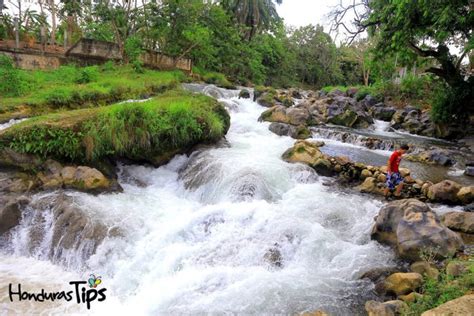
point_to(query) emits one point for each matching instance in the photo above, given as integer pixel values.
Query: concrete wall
(85, 52)
(154, 59)
(89, 48)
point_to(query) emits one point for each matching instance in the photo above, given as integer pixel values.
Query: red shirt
(394, 160)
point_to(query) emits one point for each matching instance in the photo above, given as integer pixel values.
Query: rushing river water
(196, 234)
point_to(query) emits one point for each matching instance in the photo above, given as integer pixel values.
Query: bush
(413, 87)
(439, 291)
(108, 66)
(11, 83)
(61, 97)
(88, 74)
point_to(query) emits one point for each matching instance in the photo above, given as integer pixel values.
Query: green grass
(146, 131)
(215, 78)
(446, 288)
(70, 87)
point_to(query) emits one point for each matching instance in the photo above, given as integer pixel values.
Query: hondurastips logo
(84, 292)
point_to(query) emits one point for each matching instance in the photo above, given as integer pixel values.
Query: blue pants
(393, 180)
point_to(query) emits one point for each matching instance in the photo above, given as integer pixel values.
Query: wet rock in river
(469, 171)
(244, 94)
(10, 212)
(434, 156)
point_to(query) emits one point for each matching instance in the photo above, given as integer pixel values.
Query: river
(201, 234)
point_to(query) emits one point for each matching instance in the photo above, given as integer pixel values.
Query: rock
(466, 195)
(352, 91)
(244, 94)
(390, 308)
(266, 100)
(84, 178)
(11, 158)
(303, 152)
(404, 172)
(10, 213)
(346, 118)
(378, 274)
(382, 178)
(365, 174)
(460, 306)
(410, 298)
(425, 187)
(424, 268)
(297, 116)
(403, 283)
(444, 191)
(382, 112)
(469, 207)
(460, 221)
(275, 114)
(368, 186)
(281, 129)
(435, 156)
(469, 171)
(273, 257)
(456, 268)
(323, 167)
(412, 227)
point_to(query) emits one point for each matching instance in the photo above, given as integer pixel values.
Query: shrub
(11, 83)
(412, 86)
(108, 66)
(87, 74)
(439, 291)
(61, 97)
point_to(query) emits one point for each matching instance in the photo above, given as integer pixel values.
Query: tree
(425, 28)
(256, 15)
(316, 56)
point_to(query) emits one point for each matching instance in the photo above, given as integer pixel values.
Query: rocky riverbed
(258, 223)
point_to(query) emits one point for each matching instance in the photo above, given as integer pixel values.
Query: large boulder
(402, 283)
(460, 221)
(444, 191)
(469, 171)
(412, 228)
(460, 306)
(425, 269)
(303, 152)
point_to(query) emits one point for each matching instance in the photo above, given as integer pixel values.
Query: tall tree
(256, 15)
(425, 28)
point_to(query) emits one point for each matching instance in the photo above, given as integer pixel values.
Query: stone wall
(84, 52)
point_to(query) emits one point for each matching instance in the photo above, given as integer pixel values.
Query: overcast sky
(304, 12)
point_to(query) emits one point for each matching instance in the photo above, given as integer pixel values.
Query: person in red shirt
(394, 179)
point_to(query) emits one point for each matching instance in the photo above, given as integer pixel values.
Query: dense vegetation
(247, 41)
(151, 131)
(69, 87)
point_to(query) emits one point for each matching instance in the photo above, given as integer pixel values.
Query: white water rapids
(195, 235)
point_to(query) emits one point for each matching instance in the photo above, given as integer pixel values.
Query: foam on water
(196, 233)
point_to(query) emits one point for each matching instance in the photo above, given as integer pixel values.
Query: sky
(304, 12)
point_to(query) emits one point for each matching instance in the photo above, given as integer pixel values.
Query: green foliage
(439, 291)
(174, 121)
(87, 74)
(133, 48)
(54, 89)
(446, 103)
(11, 83)
(44, 142)
(108, 66)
